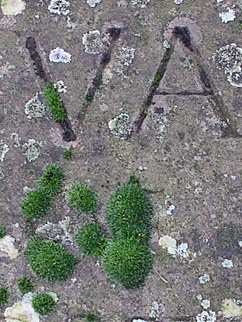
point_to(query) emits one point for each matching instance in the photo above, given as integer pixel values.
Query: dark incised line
(68, 134)
(184, 93)
(152, 90)
(34, 55)
(97, 80)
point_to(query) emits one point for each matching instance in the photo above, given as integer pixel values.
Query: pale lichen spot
(58, 55)
(4, 148)
(228, 15)
(7, 247)
(205, 304)
(34, 108)
(22, 311)
(60, 86)
(206, 316)
(12, 7)
(119, 126)
(231, 309)
(227, 263)
(15, 140)
(229, 59)
(203, 279)
(94, 42)
(124, 58)
(93, 3)
(6, 69)
(140, 3)
(60, 231)
(174, 249)
(60, 7)
(32, 149)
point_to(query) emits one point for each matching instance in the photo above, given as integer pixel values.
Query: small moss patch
(49, 260)
(127, 262)
(35, 204)
(2, 231)
(43, 303)
(91, 240)
(24, 285)
(4, 296)
(82, 198)
(54, 102)
(52, 179)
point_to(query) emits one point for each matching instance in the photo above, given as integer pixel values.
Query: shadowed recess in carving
(34, 55)
(228, 126)
(97, 80)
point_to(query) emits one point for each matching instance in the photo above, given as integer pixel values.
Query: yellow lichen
(231, 309)
(12, 7)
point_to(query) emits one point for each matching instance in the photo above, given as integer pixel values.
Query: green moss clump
(43, 303)
(129, 212)
(82, 198)
(128, 262)
(4, 296)
(68, 154)
(90, 317)
(52, 179)
(54, 102)
(49, 260)
(35, 204)
(91, 240)
(2, 231)
(24, 285)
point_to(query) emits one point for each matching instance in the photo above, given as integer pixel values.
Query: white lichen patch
(93, 3)
(58, 232)
(229, 60)
(107, 76)
(7, 247)
(58, 55)
(124, 58)
(178, 1)
(231, 309)
(228, 15)
(15, 140)
(227, 263)
(60, 7)
(94, 42)
(34, 108)
(240, 243)
(154, 311)
(173, 248)
(140, 3)
(170, 210)
(12, 7)
(60, 86)
(206, 316)
(32, 149)
(203, 279)
(205, 304)
(119, 126)
(22, 311)
(6, 69)
(4, 148)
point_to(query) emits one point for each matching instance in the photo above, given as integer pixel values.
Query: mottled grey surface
(182, 152)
